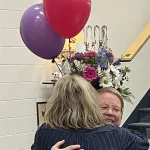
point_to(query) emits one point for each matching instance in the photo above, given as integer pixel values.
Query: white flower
(115, 70)
(116, 81)
(99, 70)
(77, 63)
(105, 82)
(106, 73)
(66, 69)
(118, 78)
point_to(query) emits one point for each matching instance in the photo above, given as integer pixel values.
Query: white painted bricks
(21, 77)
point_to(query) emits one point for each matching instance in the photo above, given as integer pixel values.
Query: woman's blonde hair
(73, 104)
(113, 91)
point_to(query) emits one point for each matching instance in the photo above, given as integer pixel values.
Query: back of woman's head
(73, 104)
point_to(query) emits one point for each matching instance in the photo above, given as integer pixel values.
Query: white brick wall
(21, 75)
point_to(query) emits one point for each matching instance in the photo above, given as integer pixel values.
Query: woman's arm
(60, 143)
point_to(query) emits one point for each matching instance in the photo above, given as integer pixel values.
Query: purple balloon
(37, 34)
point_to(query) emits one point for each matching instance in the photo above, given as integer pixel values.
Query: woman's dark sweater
(102, 138)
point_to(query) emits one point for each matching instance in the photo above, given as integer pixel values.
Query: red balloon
(67, 17)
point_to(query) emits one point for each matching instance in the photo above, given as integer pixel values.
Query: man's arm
(134, 140)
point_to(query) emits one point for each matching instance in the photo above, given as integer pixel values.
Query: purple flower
(72, 58)
(111, 59)
(104, 67)
(78, 56)
(121, 69)
(116, 63)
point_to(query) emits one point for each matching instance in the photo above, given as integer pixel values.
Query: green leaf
(128, 99)
(127, 69)
(131, 95)
(125, 89)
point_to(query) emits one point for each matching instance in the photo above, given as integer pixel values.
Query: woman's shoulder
(103, 128)
(128, 139)
(108, 128)
(43, 126)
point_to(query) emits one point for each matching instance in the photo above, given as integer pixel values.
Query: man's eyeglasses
(115, 109)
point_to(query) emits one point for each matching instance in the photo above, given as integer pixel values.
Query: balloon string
(69, 50)
(54, 61)
(72, 40)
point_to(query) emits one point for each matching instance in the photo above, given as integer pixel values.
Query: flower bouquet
(100, 68)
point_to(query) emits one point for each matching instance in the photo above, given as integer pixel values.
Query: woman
(112, 104)
(73, 114)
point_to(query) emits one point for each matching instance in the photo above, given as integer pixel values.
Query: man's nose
(110, 111)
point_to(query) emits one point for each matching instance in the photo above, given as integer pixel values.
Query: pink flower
(110, 54)
(89, 73)
(90, 54)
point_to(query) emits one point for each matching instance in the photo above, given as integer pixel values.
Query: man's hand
(58, 144)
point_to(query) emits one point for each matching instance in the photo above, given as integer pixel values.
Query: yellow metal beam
(137, 44)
